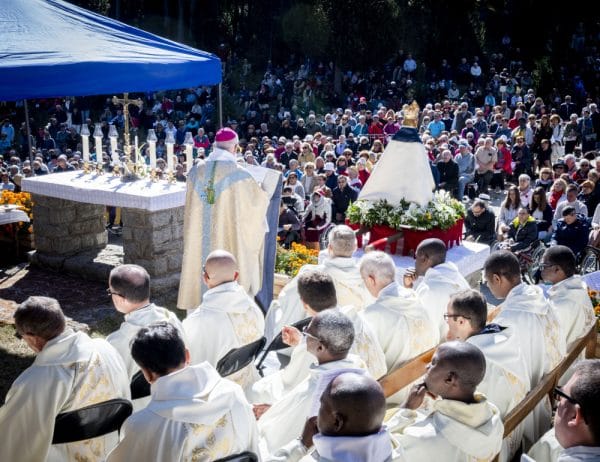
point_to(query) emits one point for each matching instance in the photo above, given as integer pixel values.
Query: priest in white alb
(329, 337)
(506, 381)
(397, 317)
(226, 208)
(435, 281)
(227, 318)
(463, 425)
(340, 265)
(70, 371)
(194, 414)
(317, 293)
(129, 288)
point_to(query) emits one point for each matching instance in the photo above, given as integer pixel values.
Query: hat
(329, 167)
(558, 164)
(226, 134)
(292, 174)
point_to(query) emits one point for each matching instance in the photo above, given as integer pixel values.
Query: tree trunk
(180, 24)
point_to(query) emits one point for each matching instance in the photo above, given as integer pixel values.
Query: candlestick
(170, 142)
(152, 139)
(113, 135)
(98, 138)
(85, 142)
(189, 150)
(135, 154)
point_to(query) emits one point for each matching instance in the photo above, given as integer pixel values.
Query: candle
(85, 142)
(135, 154)
(170, 142)
(189, 150)
(98, 138)
(152, 143)
(113, 135)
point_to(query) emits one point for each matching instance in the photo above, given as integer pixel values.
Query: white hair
(335, 330)
(342, 241)
(524, 177)
(378, 265)
(227, 145)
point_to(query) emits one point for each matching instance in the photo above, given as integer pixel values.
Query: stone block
(134, 218)
(66, 246)
(50, 231)
(86, 226)
(156, 267)
(172, 246)
(164, 290)
(61, 216)
(43, 244)
(174, 262)
(94, 240)
(160, 219)
(85, 211)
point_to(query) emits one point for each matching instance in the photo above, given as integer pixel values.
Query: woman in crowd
(317, 218)
(525, 190)
(354, 180)
(503, 167)
(558, 193)
(508, 211)
(588, 197)
(545, 180)
(541, 211)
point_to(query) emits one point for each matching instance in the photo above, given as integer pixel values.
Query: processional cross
(125, 102)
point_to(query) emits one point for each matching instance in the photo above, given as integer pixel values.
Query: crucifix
(125, 102)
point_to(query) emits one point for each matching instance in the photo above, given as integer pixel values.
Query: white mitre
(403, 171)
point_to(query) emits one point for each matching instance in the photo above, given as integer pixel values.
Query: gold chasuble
(225, 208)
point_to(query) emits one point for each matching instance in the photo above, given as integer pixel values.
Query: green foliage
(304, 28)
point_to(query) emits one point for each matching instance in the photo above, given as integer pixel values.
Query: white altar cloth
(468, 257)
(108, 190)
(12, 216)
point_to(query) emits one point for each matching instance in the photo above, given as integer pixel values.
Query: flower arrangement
(595, 298)
(289, 261)
(442, 212)
(23, 200)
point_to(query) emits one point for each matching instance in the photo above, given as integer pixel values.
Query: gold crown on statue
(411, 115)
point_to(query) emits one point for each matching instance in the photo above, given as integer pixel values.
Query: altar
(69, 221)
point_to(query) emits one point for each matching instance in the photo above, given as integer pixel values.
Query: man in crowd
(576, 433)
(349, 286)
(129, 289)
(329, 337)
(464, 425)
(466, 167)
(397, 317)
(572, 201)
(348, 426)
(193, 413)
(343, 196)
(70, 371)
(448, 173)
(227, 318)
(435, 281)
(480, 223)
(572, 230)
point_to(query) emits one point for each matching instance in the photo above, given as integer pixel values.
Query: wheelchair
(530, 259)
(589, 260)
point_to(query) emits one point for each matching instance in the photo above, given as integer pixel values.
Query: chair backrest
(238, 358)
(405, 375)
(242, 457)
(139, 386)
(277, 342)
(91, 421)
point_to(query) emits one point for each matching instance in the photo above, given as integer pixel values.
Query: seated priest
(70, 371)
(227, 318)
(463, 425)
(194, 414)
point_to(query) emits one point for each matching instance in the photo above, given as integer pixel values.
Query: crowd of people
(324, 402)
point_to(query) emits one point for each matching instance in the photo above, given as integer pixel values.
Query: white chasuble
(227, 318)
(225, 209)
(435, 289)
(72, 371)
(349, 287)
(194, 415)
(284, 421)
(134, 321)
(453, 432)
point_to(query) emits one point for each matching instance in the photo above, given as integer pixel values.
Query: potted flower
(289, 261)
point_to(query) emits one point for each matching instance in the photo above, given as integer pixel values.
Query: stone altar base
(70, 237)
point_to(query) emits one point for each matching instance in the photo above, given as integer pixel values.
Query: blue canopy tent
(52, 48)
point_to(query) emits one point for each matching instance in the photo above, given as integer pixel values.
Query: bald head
(351, 405)
(131, 282)
(456, 369)
(220, 267)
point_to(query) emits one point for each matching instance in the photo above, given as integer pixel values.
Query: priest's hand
(291, 336)
(259, 410)
(310, 430)
(410, 276)
(415, 396)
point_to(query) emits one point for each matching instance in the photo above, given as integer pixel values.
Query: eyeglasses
(558, 394)
(543, 266)
(110, 292)
(204, 272)
(454, 316)
(305, 333)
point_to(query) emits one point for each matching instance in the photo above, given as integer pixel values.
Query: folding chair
(91, 421)
(277, 343)
(238, 358)
(139, 387)
(246, 456)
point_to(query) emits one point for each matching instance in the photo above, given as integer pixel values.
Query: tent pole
(28, 128)
(220, 105)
